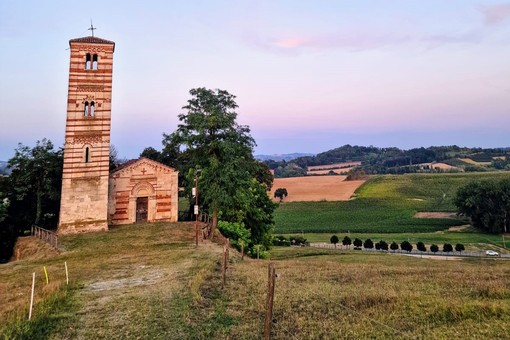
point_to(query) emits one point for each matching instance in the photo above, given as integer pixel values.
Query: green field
(384, 204)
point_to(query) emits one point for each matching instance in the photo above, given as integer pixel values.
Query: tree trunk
(38, 211)
(214, 223)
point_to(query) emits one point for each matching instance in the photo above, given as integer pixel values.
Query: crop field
(316, 188)
(383, 204)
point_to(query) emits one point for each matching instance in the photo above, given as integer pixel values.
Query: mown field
(383, 204)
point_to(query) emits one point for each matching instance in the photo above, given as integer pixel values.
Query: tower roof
(92, 40)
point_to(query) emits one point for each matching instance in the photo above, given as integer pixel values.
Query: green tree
(357, 243)
(151, 153)
(486, 203)
(211, 140)
(368, 244)
(406, 246)
(383, 245)
(280, 193)
(421, 246)
(347, 241)
(459, 247)
(35, 183)
(447, 248)
(334, 239)
(434, 248)
(394, 246)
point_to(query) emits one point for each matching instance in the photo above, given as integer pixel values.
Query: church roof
(92, 40)
(145, 160)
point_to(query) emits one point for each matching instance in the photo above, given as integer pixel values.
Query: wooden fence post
(242, 250)
(270, 299)
(32, 297)
(224, 267)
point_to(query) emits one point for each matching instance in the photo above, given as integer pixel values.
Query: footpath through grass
(138, 281)
(384, 204)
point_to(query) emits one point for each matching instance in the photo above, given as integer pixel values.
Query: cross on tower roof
(92, 28)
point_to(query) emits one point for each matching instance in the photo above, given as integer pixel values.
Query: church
(93, 198)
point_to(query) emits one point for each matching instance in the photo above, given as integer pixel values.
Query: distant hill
(392, 160)
(282, 157)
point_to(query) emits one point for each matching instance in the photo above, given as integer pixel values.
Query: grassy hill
(383, 204)
(150, 282)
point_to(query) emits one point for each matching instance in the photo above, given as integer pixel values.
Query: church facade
(143, 190)
(88, 203)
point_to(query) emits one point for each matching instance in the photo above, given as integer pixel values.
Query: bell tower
(84, 202)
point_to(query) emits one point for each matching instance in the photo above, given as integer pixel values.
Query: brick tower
(84, 202)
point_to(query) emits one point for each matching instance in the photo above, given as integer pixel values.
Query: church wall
(158, 183)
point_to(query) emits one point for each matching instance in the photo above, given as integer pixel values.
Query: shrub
(334, 239)
(298, 240)
(383, 245)
(346, 241)
(281, 241)
(434, 248)
(406, 246)
(421, 246)
(235, 232)
(263, 254)
(368, 244)
(459, 247)
(447, 247)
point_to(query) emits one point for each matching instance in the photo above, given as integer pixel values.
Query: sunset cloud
(496, 14)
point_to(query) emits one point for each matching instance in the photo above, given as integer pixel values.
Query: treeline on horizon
(392, 160)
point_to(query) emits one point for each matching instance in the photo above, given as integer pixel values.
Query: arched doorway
(143, 193)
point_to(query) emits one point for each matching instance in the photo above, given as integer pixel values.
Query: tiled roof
(92, 40)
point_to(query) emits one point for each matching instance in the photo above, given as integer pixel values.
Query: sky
(308, 76)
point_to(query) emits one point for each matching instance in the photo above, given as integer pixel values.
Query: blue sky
(308, 75)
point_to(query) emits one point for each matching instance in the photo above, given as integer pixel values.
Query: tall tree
(211, 140)
(487, 203)
(35, 184)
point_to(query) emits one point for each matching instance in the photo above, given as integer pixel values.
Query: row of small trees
(383, 245)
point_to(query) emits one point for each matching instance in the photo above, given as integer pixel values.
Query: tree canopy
(232, 184)
(487, 203)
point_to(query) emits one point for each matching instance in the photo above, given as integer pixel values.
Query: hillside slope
(132, 282)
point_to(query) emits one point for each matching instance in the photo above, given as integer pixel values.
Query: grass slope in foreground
(384, 204)
(150, 282)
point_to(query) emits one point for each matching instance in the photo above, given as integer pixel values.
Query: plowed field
(316, 188)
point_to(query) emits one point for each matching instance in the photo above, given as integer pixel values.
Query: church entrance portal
(142, 206)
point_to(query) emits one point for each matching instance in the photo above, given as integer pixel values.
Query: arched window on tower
(91, 111)
(86, 109)
(88, 61)
(94, 62)
(87, 154)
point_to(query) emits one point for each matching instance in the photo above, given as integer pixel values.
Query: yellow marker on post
(46, 273)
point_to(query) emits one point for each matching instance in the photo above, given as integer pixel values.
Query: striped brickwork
(85, 176)
(143, 178)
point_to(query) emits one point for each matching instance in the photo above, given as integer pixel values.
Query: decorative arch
(142, 189)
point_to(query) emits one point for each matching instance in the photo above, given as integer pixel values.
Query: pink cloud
(496, 14)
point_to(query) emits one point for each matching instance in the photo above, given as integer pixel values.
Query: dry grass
(319, 188)
(150, 282)
(125, 281)
(359, 296)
